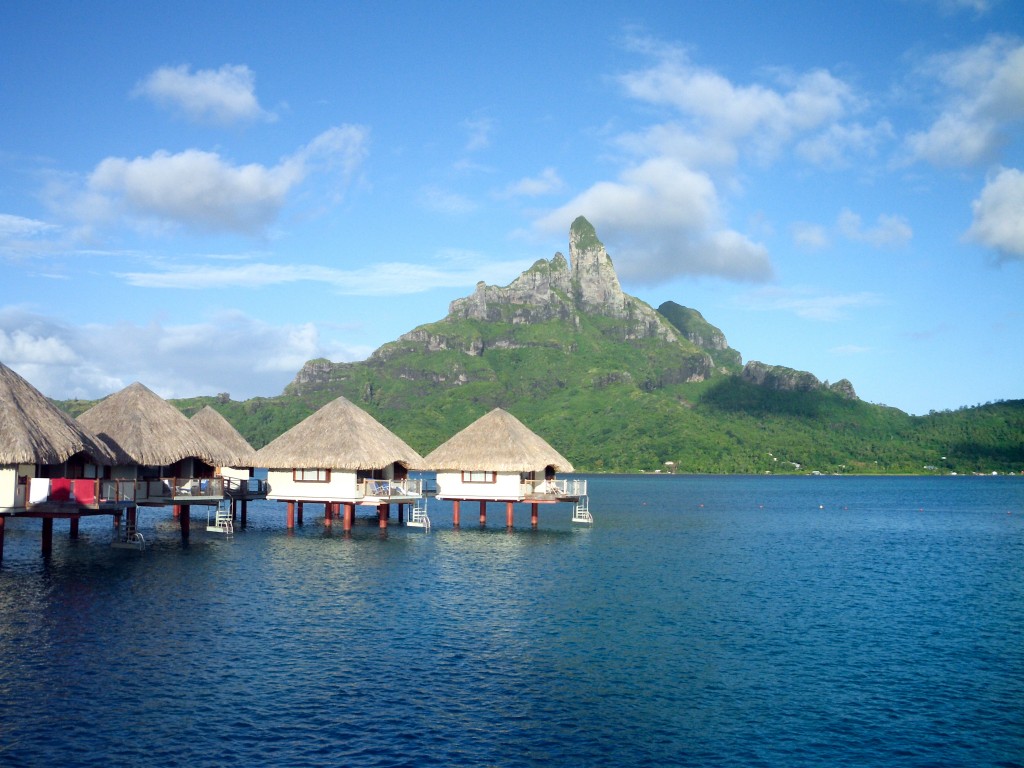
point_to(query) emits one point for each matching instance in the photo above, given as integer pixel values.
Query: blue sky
(203, 196)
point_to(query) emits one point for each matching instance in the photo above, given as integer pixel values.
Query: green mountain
(615, 385)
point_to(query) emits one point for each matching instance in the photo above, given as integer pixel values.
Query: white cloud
(999, 214)
(764, 118)
(664, 221)
(201, 190)
(982, 103)
(890, 230)
(224, 95)
(65, 361)
(808, 303)
(546, 183)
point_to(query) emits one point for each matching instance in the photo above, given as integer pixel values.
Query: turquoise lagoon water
(701, 621)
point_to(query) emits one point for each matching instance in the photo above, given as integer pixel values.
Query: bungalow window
(479, 477)
(311, 475)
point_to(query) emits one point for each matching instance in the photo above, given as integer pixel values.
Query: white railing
(386, 489)
(555, 489)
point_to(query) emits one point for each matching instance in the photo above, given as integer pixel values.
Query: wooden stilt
(176, 510)
(289, 522)
(508, 514)
(73, 532)
(533, 514)
(383, 510)
(185, 520)
(483, 513)
(401, 513)
(300, 513)
(328, 513)
(245, 512)
(47, 536)
(350, 516)
(455, 513)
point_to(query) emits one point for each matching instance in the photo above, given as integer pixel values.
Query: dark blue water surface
(718, 621)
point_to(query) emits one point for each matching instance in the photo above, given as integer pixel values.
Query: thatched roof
(149, 430)
(216, 427)
(338, 436)
(498, 442)
(35, 431)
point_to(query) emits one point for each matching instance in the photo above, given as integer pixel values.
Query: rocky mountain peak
(595, 283)
(557, 289)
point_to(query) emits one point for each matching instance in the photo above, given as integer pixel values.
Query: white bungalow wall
(9, 488)
(506, 487)
(283, 487)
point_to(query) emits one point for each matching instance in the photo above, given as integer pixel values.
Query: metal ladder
(581, 512)
(419, 518)
(223, 521)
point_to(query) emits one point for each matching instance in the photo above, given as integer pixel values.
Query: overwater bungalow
(240, 486)
(170, 459)
(497, 458)
(340, 456)
(50, 465)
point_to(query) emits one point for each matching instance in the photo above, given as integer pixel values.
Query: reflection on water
(700, 621)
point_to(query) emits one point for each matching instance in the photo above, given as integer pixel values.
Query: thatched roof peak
(340, 435)
(213, 424)
(149, 431)
(35, 431)
(497, 442)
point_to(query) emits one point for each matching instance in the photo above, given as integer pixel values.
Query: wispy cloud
(547, 182)
(890, 230)
(224, 95)
(808, 303)
(478, 133)
(457, 270)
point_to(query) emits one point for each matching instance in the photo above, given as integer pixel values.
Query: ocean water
(701, 621)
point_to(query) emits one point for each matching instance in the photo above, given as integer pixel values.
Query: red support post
(350, 516)
(328, 513)
(483, 513)
(508, 514)
(533, 514)
(383, 510)
(455, 513)
(290, 516)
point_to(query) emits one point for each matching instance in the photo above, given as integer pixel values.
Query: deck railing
(386, 489)
(80, 492)
(555, 489)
